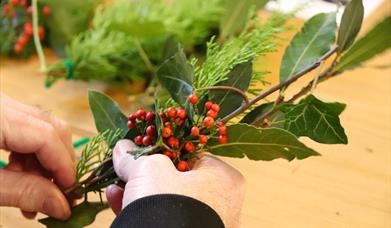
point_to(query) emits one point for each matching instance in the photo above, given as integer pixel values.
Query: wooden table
(349, 186)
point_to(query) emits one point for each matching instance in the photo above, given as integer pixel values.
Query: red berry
(211, 113)
(23, 39)
(131, 124)
(208, 122)
(166, 132)
(140, 114)
(173, 142)
(223, 139)
(18, 48)
(138, 140)
(131, 117)
(41, 32)
(193, 99)
(195, 131)
(219, 123)
(182, 166)
(168, 125)
(208, 105)
(6, 8)
(181, 113)
(46, 10)
(223, 130)
(215, 107)
(28, 28)
(24, 3)
(171, 112)
(169, 154)
(189, 147)
(150, 117)
(30, 10)
(164, 118)
(203, 139)
(147, 140)
(14, 2)
(151, 130)
(179, 122)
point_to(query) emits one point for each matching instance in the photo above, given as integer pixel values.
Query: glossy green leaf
(374, 42)
(171, 47)
(308, 45)
(239, 78)
(257, 112)
(350, 24)
(176, 76)
(107, 113)
(82, 215)
(261, 144)
(236, 14)
(316, 119)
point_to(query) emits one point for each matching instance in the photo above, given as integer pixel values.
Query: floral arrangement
(215, 106)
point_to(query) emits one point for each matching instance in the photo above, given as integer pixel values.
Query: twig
(37, 43)
(143, 55)
(233, 89)
(281, 85)
(260, 119)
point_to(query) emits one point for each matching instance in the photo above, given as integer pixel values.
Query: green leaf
(66, 20)
(257, 112)
(171, 47)
(350, 24)
(308, 45)
(239, 78)
(107, 113)
(374, 42)
(235, 15)
(316, 119)
(82, 215)
(176, 76)
(261, 144)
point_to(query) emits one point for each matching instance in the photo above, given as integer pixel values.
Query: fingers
(32, 193)
(127, 167)
(114, 195)
(26, 134)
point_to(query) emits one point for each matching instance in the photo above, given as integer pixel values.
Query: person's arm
(157, 195)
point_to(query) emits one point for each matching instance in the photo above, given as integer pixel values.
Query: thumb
(32, 193)
(122, 160)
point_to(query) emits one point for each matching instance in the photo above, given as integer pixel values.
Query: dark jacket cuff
(167, 210)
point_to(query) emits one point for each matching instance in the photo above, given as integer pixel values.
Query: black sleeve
(167, 211)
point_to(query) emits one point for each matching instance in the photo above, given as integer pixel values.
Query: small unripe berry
(181, 113)
(182, 166)
(171, 112)
(195, 131)
(46, 10)
(193, 99)
(211, 113)
(140, 114)
(151, 130)
(208, 105)
(166, 132)
(215, 107)
(208, 122)
(131, 124)
(147, 140)
(223, 139)
(150, 117)
(189, 147)
(223, 130)
(173, 142)
(138, 140)
(203, 139)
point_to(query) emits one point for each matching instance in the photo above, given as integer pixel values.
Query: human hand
(210, 180)
(40, 149)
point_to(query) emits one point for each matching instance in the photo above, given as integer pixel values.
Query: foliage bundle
(252, 128)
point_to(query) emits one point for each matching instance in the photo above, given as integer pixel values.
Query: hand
(41, 149)
(211, 181)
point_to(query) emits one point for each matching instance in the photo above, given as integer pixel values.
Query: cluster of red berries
(181, 136)
(25, 36)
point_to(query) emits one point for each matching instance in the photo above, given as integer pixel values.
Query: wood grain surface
(348, 186)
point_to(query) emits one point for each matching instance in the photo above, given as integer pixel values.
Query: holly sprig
(254, 127)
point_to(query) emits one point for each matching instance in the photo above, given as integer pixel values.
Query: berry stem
(37, 43)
